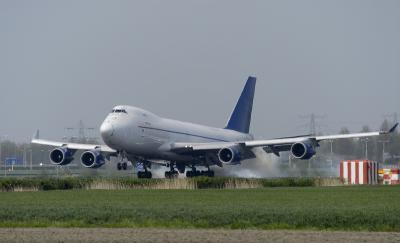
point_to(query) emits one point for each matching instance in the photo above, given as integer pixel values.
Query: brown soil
(186, 235)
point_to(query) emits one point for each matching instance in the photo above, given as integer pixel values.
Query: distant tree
(393, 145)
(365, 128)
(344, 147)
(385, 125)
(372, 146)
(8, 149)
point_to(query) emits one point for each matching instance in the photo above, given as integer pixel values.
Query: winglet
(36, 136)
(393, 128)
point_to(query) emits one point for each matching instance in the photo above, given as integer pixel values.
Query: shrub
(67, 183)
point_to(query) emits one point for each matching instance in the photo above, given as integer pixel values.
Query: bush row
(10, 184)
(289, 182)
(65, 183)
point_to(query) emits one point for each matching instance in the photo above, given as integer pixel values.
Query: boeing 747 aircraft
(143, 137)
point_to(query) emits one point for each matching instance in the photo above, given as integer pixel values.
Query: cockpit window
(119, 111)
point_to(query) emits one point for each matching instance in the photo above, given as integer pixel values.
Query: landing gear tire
(191, 173)
(171, 174)
(124, 166)
(181, 167)
(209, 173)
(119, 166)
(144, 174)
(196, 173)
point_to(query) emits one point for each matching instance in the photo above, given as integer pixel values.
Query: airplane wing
(272, 145)
(74, 146)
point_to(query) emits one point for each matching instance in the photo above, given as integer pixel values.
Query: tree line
(385, 148)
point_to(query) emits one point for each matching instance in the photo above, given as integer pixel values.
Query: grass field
(339, 208)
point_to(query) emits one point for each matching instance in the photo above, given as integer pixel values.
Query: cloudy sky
(65, 61)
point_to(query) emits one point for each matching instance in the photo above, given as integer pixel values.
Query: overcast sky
(62, 61)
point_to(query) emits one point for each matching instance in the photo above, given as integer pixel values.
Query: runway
(186, 235)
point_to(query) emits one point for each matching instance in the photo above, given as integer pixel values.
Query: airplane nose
(106, 130)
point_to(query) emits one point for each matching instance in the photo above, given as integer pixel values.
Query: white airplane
(145, 138)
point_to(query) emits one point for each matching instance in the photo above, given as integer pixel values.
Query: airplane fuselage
(143, 134)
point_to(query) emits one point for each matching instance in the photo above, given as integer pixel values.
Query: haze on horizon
(65, 61)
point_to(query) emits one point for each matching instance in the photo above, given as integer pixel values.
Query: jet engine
(61, 156)
(229, 155)
(92, 159)
(303, 150)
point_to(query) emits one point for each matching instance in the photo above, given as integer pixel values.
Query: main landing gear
(172, 173)
(196, 173)
(122, 166)
(144, 175)
(141, 165)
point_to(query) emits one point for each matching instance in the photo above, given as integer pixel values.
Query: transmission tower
(313, 122)
(81, 130)
(82, 133)
(393, 116)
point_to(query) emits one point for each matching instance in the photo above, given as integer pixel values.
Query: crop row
(371, 208)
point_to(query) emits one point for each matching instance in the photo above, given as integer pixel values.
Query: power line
(313, 122)
(82, 132)
(394, 117)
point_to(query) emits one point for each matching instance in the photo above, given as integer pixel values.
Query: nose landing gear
(141, 166)
(122, 165)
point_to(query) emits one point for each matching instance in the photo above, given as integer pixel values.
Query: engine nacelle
(229, 155)
(61, 156)
(303, 150)
(92, 159)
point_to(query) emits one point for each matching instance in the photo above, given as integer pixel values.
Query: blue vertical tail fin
(241, 116)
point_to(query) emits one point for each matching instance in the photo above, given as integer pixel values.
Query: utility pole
(383, 142)
(0, 151)
(42, 155)
(1, 154)
(366, 148)
(331, 142)
(31, 159)
(24, 155)
(4, 163)
(312, 124)
(81, 131)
